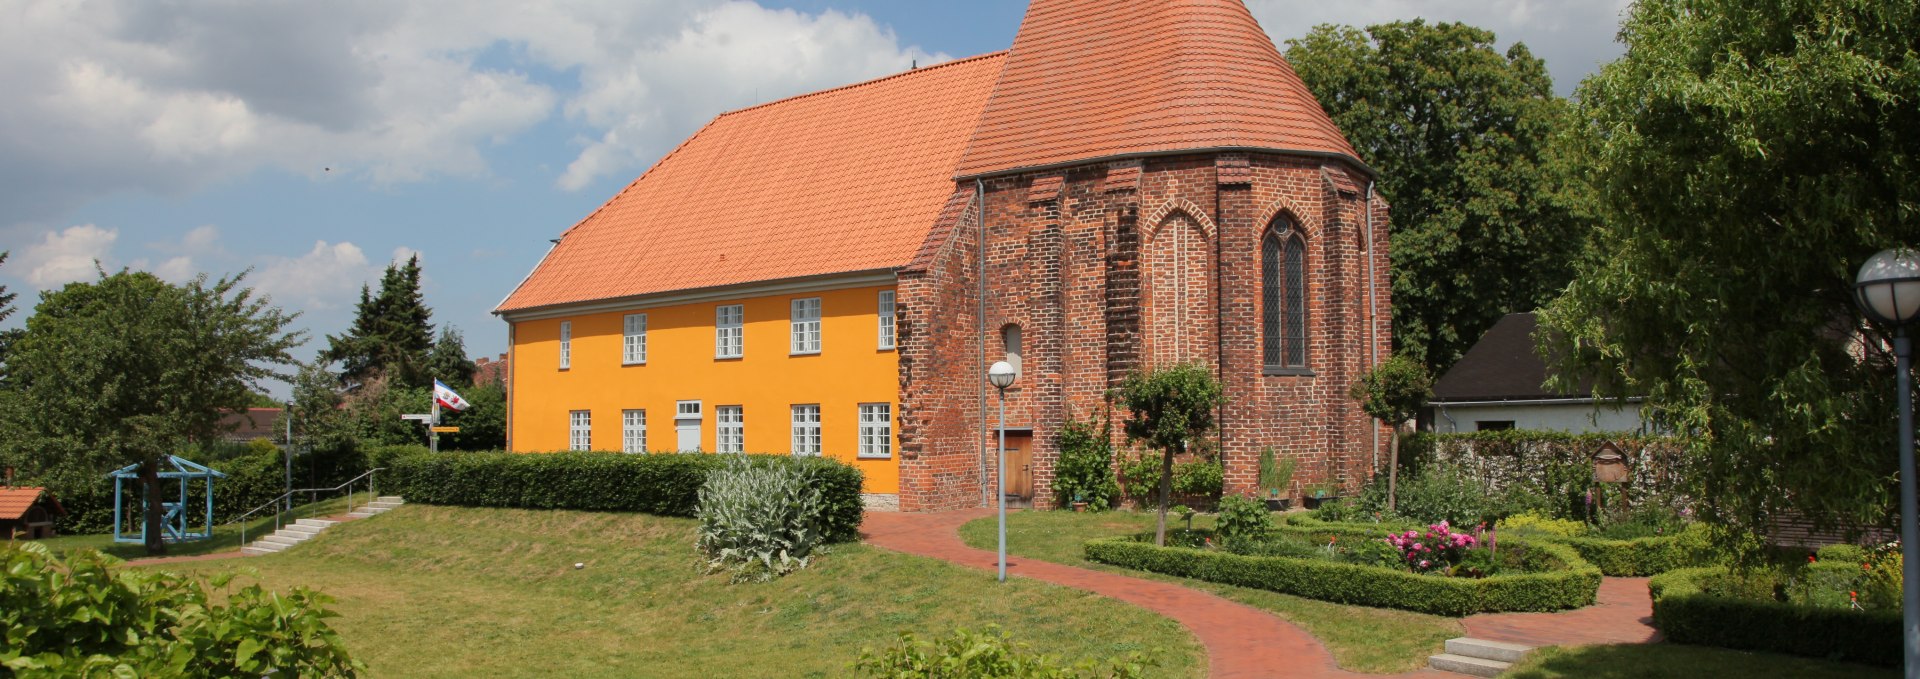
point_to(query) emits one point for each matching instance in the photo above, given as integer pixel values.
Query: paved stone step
(302, 528)
(319, 523)
(264, 548)
(1479, 667)
(384, 505)
(278, 540)
(293, 535)
(1502, 651)
(391, 498)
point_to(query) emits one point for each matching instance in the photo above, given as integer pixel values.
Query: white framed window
(806, 325)
(806, 430)
(876, 430)
(886, 319)
(633, 431)
(580, 430)
(566, 344)
(732, 431)
(729, 339)
(686, 426)
(633, 348)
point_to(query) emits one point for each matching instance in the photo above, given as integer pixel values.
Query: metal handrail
(278, 502)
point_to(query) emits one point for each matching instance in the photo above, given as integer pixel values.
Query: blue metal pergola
(173, 515)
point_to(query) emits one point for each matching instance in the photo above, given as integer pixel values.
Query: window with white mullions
(886, 319)
(634, 345)
(731, 434)
(580, 430)
(806, 325)
(729, 339)
(876, 430)
(633, 431)
(566, 344)
(806, 430)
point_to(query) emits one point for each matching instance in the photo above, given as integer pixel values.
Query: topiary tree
(1169, 407)
(1393, 392)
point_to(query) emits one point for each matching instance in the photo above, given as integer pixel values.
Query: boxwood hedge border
(1637, 557)
(665, 484)
(1687, 614)
(1571, 582)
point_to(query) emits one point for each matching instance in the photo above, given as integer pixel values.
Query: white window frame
(687, 415)
(566, 344)
(886, 319)
(804, 321)
(730, 429)
(580, 430)
(729, 331)
(633, 430)
(806, 429)
(876, 431)
(633, 346)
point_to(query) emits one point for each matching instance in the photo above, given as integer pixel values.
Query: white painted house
(1499, 384)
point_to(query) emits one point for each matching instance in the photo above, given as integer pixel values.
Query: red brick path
(1622, 615)
(1241, 641)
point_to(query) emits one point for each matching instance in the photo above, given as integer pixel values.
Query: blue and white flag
(445, 396)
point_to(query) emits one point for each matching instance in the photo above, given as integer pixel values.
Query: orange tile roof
(15, 501)
(844, 180)
(1089, 79)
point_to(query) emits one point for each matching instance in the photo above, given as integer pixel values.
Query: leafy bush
(1648, 556)
(1551, 577)
(1241, 517)
(88, 617)
(1084, 472)
(1535, 524)
(760, 520)
(1438, 549)
(990, 654)
(1140, 472)
(1694, 605)
(662, 484)
(1199, 477)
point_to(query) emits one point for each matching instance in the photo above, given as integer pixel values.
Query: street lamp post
(1001, 376)
(1888, 287)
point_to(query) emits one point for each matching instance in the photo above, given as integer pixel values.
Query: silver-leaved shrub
(760, 520)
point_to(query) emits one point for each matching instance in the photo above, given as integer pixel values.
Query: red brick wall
(1107, 267)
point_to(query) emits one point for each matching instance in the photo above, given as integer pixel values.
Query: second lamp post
(1001, 376)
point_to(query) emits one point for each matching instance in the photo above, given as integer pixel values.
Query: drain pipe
(1373, 324)
(980, 333)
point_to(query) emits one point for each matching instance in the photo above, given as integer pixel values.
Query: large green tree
(391, 334)
(1462, 135)
(1750, 155)
(130, 368)
(447, 360)
(1168, 408)
(7, 337)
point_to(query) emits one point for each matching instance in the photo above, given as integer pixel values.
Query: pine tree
(447, 361)
(391, 333)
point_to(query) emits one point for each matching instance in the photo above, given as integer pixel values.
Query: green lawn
(225, 538)
(1677, 661)
(1374, 640)
(446, 592)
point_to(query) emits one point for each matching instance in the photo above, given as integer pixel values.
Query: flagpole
(433, 437)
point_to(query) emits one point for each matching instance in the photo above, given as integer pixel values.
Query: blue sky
(315, 142)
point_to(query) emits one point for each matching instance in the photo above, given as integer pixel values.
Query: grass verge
(1679, 661)
(1373, 640)
(451, 592)
(226, 537)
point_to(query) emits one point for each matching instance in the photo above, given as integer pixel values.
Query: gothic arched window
(1283, 298)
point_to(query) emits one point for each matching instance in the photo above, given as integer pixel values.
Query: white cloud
(404, 253)
(68, 255)
(1573, 36)
(133, 95)
(326, 277)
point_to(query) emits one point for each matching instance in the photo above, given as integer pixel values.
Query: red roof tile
(844, 180)
(1089, 79)
(14, 502)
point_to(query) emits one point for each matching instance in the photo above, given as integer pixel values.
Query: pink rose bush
(1439, 547)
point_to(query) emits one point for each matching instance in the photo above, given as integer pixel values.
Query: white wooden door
(686, 423)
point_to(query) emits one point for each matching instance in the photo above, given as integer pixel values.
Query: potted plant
(1313, 495)
(1276, 475)
(1079, 503)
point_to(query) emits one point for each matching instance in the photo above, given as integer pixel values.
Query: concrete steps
(303, 530)
(1478, 657)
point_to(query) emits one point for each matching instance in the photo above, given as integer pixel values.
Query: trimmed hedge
(1687, 614)
(663, 484)
(1638, 557)
(1568, 582)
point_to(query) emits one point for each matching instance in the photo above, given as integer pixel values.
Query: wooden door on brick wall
(1020, 465)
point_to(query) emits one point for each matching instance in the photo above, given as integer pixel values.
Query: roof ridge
(864, 83)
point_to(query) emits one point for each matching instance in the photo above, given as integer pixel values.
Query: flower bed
(1636, 557)
(1537, 576)
(1834, 609)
